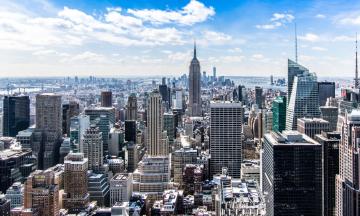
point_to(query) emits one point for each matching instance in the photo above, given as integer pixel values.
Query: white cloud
(235, 50)
(277, 20)
(193, 12)
(212, 37)
(180, 56)
(258, 56)
(316, 48)
(86, 57)
(320, 16)
(343, 38)
(309, 37)
(352, 20)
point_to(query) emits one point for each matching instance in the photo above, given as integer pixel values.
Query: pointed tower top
(296, 45)
(356, 64)
(194, 48)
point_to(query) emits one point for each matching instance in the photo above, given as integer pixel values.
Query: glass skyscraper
(279, 113)
(16, 114)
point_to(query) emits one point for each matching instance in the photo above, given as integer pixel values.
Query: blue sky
(155, 37)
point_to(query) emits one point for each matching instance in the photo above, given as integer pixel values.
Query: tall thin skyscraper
(356, 66)
(156, 145)
(294, 69)
(76, 196)
(225, 137)
(16, 114)
(131, 108)
(194, 86)
(279, 113)
(93, 148)
(348, 181)
(48, 129)
(304, 100)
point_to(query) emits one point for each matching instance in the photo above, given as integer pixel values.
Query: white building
(15, 194)
(120, 188)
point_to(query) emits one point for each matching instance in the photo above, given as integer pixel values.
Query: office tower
(99, 189)
(48, 130)
(65, 149)
(326, 90)
(130, 131)
(356, 80)
(240, 94)
(106, 99)
(312, 126)
(165, 95)
(259, 97)
(120, 188)
(131, 156)
(294, 69)
(226, 120)
(116, 141)
(4, 206)
(69, 110)
(15, 165)
(16, 114)
(347, 181)
(78, 126)
(104, 118)
(93, 148)
(271, 79)
(179, 159)
(15, 194)
(267, 121)
(330, 166)
(330, 114)
(169, 126)
(304, 100)
(42, 192)
(25, 138)
(156, 145)
(131, 108)
(76, 196)
(179, 100)
(291, 174)
(194, 86)
(214, 73)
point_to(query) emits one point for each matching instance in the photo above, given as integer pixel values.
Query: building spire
(194, 48)
(296, 45)
(356, 65)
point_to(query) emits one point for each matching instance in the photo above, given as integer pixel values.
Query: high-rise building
(259, 97)
(16, 114)
(291, 174)
(294, 69)
(69, 110)
(226, 121)
(131, 108)
(330, 114)
(4, 206)
(165, 93)
(99, 188)
(312, 126)
(42, 192)
(240, 94)
(156, 142)
(169, 126)
(48, 129)
(106, 99)
(116, 141)
(194, 86)
(130, 131)
(326, 90)
(104, 118)
(131, 156)
(120, 188)
(330, 166)
(78, 126)
(15, 165)
(214, 73)
(93, 148)
(76, 196)
(347, 181)
(279, 113)
(15, 194)
(304, 100)
(179, 159)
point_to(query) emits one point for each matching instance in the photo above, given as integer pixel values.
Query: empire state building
(194, 86)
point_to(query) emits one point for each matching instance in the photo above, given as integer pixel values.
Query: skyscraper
(347, 181)
(312, 126)
(48, 129)
(330, 165)
(304, 100)
(76, 196)
(259, 97)
(131, 108)
(69, 110)
(16, 114)
(106, 99)
(326, 90)
(279, 113)
(194, 86)
(93, 147)
(294, 69)
(226, 120)
(156, 145)
(291, 174)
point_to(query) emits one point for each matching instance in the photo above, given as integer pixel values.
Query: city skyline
(111, 38)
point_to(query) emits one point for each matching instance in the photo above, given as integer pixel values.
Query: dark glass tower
(279, 113)
(16, 114)
(130, 131)
(326, 90)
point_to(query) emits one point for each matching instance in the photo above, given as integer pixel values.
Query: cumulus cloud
(309, 37)
(277, 20)
(320, 16)
(352, 20)
(193, 12)
(316, 48)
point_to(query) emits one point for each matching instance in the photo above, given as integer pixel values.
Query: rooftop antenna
(356, 65)
(296, 45)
